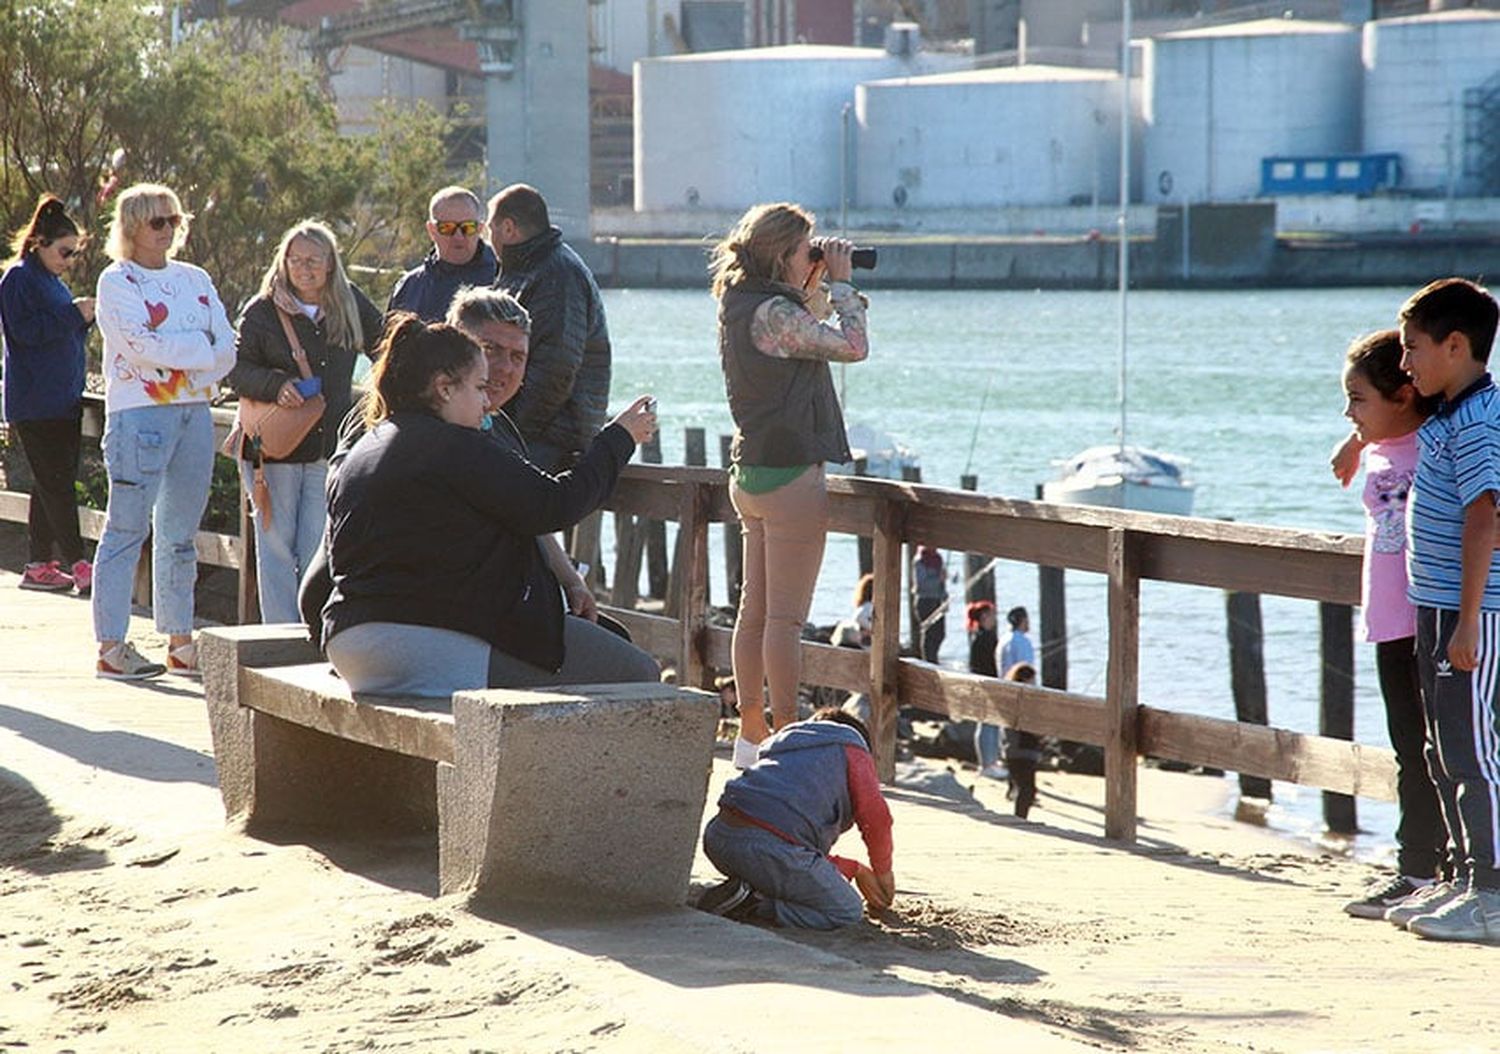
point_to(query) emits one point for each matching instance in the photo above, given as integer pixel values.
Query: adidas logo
(1444, 668)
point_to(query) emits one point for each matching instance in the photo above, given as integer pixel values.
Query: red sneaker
(83, 577)
(48, 578)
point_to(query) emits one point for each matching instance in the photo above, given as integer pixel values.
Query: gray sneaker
(1425, 901)
(1474, 916)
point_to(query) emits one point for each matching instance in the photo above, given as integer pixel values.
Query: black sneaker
(1382, 897)
(725, 897)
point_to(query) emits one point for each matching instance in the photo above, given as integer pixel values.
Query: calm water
(1245, 385)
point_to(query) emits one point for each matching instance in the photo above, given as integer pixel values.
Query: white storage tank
(1220, 99)
(1028, 135)
(1416, 72)
(727, 129)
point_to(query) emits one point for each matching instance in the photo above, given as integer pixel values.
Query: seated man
(779, 818)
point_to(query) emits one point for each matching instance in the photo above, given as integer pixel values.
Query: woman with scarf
(304, 298)
(775, 352)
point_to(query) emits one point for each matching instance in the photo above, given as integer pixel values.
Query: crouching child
(779, 818)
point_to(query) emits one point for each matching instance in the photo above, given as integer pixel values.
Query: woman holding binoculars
(775, 351)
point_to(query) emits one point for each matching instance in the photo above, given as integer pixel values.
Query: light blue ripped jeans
(160, 461)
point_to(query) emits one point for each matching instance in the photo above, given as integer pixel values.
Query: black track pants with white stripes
(1464, 737)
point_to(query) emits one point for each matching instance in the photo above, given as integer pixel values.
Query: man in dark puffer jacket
(563, 402)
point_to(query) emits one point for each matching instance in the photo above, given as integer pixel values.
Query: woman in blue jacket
(44, 326)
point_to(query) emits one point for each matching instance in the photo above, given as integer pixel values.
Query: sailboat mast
(1123, 267)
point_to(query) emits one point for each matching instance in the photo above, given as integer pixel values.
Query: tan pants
(783, 534)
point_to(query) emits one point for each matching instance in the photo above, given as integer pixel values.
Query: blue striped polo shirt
(1459, 461)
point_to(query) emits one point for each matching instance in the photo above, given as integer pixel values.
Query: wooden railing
(1125, 546)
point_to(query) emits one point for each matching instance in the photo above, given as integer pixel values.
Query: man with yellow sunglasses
(459, 256)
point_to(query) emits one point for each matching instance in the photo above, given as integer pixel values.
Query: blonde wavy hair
(340, 311)
(759, 246)
(137, 205)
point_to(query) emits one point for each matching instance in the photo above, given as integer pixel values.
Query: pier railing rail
(1127, 547)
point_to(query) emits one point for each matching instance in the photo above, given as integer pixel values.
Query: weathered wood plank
(656, 636)
(692, 593)
(1121, 725)
(216, 550)
(971, 697)
(885, 643)
(1275, 753)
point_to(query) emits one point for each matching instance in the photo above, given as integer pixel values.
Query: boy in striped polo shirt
(1447, 329)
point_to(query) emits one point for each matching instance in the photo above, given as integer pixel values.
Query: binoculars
(864, 259)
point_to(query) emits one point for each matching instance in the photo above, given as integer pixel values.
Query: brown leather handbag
(273, 430)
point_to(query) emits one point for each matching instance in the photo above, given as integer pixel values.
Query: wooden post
(865, 545)
(695, 444)
(885, 641)
(979, 580)
(1247, 674)
(655, 531)
(734, 549)
(140, 592)
(1336, 702)
(1121, 718)
(912, 474)
(627, 583)
(692, 585)
(1053, 597)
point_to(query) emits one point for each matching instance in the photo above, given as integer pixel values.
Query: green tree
(232, 116)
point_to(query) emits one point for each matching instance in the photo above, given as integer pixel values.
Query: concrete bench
(593, 792)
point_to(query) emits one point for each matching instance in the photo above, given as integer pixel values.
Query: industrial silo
(1028, 135)
(1427, 81)
(726, 129)
(1220, 99)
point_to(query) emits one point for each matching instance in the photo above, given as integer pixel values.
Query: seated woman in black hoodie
(438, 580)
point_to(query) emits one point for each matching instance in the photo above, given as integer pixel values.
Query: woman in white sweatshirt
(167, 343)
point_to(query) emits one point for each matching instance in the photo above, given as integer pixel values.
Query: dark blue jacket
(800, 785)
(426, 291)
(43, 344)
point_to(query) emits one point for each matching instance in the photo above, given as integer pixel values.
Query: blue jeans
(987, 744)
(160, 461)
(802, 887)
(284, 550)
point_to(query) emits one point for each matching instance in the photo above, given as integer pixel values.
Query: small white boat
(1128, 477)
(883, 455)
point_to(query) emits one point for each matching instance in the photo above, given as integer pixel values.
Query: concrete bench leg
(273, 771)
(588, 793)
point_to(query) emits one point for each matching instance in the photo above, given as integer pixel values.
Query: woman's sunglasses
(447, 228)
(157, 223)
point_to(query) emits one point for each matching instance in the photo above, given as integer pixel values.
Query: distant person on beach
(983, 644)
(562, 404)
(775, 353)
(929, 585)
(1016, 647)
(44, 326)
(439, 582)
(459, 257)
(167, 344)
(1386, 411)
(1023, 750)
(1447, 332)
(778, 821)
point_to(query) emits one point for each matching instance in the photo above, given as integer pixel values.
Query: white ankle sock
(745, 752)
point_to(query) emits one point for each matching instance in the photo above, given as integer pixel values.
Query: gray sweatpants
(393, 658)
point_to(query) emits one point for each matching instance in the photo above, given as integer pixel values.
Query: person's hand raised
(639, 419)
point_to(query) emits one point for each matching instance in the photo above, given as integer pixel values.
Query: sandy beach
(132, 919)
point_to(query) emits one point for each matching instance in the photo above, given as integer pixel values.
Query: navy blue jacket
(43, 344)
(427, 290)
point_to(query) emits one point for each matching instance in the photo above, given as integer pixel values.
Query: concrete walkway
(1036, 936)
